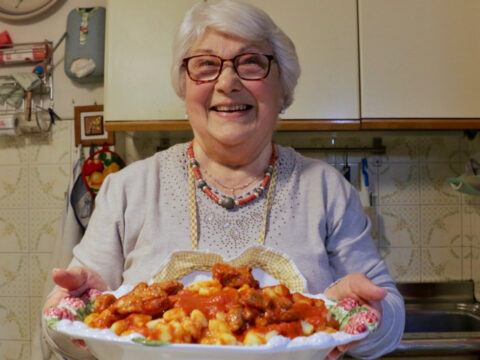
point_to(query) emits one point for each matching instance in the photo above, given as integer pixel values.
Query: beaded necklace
(230, 188)
(192, 177)
(229, 202)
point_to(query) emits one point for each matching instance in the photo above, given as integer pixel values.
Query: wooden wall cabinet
(138, 94)
(139, 37)
(419, 63)
(366, 64)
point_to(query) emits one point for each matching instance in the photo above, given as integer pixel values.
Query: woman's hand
(362, 289)
(74, 282)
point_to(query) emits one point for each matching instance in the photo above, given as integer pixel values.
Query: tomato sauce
(209, 305)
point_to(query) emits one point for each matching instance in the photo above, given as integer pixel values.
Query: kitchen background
(423, 229)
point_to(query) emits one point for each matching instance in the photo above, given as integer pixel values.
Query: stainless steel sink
(418, 321)
(441, 319)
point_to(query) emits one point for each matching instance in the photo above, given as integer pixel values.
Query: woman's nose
(228, 80)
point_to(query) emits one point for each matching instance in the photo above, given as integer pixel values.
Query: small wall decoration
(90, 126)
(98, 166)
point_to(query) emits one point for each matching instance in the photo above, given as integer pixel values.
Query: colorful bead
(258, 191)
(193, 162)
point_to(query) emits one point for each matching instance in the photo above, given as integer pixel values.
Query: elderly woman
(231, 189)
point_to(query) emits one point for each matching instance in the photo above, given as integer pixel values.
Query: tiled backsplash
(34, 174)
(424, 229)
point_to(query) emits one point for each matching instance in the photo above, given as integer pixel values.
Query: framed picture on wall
(90, 126)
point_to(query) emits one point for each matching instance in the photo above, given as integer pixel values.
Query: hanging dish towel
(468, 182)
(27, 80)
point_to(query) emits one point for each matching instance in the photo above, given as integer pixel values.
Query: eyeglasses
(250, 66)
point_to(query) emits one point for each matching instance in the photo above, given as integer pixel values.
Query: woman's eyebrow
(202, 51)
(243, 50)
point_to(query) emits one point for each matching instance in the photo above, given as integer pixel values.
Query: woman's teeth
(231, 108)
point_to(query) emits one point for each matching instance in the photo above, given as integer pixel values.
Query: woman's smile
(231, 111)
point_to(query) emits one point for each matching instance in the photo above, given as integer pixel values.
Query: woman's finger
(358, 287)
(365, 289)
(69, 279)
(77, 280)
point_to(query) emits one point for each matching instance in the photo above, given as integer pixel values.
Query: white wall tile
(14, 274)
(400, 226)
(400, 149)
(442, 264)
(13, 150)
(14, 230)
(14, 318)
(18, 350)
(441, 226)
(434, 188)
(40, 268)
(403, 264)
(13, 186)
(48, 185)
(45, 225)
(440, 148)
(53, 147)
(399, 184)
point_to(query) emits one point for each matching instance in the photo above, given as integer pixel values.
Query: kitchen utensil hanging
(98, 166)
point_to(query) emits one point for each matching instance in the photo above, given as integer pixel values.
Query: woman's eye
(251, 60)
(206, 63)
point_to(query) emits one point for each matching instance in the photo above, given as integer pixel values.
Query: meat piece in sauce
(234, 277)
(103, 302)
(151, 300)
(255, 298)
(170, 287)
(235, 317)
(102, 320)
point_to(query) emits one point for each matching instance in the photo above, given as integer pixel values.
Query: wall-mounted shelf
(24, 94)
(285, 125)
(317, 125)
(421, 124)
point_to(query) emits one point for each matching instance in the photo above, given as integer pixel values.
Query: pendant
(227, 203)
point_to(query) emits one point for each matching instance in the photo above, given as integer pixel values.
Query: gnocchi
(230, 309)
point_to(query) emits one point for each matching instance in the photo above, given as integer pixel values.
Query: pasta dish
(229, 309)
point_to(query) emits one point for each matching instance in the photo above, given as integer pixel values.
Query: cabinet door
(140, 33)
(420, 58)
(325, 35)
(139, 37)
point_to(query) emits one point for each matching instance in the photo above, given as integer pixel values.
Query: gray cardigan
(141, 215)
